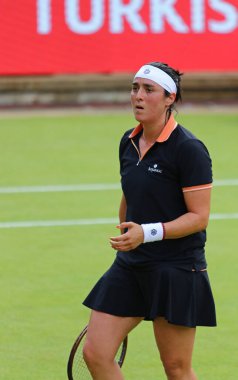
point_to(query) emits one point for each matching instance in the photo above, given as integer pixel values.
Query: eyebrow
(144, 84)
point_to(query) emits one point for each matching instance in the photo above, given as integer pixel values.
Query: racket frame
(76, 345)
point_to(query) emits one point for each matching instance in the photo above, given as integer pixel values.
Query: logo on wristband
(153, 232)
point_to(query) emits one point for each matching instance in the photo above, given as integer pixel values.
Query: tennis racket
(77, 368)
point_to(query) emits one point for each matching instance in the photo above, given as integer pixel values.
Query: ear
(170, 99)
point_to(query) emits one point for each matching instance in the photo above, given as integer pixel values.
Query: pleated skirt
(182, 297)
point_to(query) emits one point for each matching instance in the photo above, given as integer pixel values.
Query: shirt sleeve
(194, 165)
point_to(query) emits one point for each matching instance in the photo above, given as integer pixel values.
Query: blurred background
(80, 52)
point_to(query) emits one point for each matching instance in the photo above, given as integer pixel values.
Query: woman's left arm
(196, 218)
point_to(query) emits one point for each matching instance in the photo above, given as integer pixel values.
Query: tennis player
(160, 271)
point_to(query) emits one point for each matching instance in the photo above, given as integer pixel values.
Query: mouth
(137, 107)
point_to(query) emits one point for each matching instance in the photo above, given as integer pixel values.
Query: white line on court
(224, 216)
(87, 187)
(60, 188)
(87, 222)
(226, 182)
(58, 223)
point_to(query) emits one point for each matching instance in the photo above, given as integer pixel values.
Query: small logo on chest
(155, 169)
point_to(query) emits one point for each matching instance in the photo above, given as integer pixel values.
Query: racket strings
(79, 368)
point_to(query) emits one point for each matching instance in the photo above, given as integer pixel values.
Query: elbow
(202, 223)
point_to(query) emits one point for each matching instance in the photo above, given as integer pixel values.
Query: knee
(91, 355)
(175, 369)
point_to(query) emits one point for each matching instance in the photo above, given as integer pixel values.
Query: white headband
(158, 76)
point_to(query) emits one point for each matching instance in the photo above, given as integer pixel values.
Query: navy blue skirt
(181, 296)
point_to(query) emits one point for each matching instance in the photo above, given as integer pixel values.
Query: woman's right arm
(122, 211)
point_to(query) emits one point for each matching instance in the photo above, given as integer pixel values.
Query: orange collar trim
(166, 131)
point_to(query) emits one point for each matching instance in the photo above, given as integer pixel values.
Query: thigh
(106, 331)
(174, 342)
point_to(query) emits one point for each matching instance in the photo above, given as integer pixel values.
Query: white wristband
(153, 232)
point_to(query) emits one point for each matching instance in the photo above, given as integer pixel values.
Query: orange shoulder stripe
(198, 187)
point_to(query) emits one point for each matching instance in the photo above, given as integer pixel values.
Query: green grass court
(47, 271)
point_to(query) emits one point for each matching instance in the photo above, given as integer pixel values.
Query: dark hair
(176, 76)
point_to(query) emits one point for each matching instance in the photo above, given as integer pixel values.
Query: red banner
(106, 36)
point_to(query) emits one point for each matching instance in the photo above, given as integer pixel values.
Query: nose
(139, 94)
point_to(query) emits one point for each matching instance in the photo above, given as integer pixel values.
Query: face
(149, 102)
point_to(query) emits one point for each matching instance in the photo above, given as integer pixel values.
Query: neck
(152, 131)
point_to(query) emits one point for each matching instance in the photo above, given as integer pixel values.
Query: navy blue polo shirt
(153, 186)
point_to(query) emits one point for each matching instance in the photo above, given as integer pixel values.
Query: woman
(160, 270)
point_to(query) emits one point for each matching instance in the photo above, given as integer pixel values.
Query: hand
(130, 239)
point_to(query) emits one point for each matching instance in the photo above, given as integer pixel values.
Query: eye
(134, 88)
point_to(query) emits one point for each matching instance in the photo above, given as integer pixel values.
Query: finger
(118, 239)
(124, 248)
(125, 225)
(119, 245)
